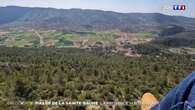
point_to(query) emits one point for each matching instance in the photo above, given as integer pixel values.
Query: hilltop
(80, 19)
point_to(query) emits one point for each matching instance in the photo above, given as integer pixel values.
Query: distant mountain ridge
(78, 19)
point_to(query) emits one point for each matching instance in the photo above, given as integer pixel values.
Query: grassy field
(32, 38)
(184, 50)
(54, 38)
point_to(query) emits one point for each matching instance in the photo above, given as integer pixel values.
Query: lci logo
(179, 7)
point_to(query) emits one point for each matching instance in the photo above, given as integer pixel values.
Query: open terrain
(90, 55)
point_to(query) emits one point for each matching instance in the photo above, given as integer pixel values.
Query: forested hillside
(90, 55)
(78, 75)
(78, 19)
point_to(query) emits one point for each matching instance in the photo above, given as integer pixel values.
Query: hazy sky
(126, 6)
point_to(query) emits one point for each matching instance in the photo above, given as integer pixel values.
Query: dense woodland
(31, 72)
(78, 75)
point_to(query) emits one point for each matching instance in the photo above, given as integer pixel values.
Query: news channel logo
(179, 7)
(174, 7)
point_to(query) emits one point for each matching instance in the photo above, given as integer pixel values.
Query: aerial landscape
(90, 55)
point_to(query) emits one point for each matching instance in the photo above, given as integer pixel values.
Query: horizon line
(97, 10)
